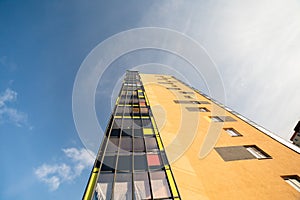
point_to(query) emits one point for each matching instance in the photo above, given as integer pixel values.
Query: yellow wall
(201, 176)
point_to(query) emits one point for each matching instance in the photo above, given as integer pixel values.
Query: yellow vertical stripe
(172, 183)
(153, 123)
(89, 192)
(159, 143)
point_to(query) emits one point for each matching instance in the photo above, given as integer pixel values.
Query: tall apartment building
(167, 140)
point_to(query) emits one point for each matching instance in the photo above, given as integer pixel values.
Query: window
(104, 186)
(138, 145)
(216, 119)
(113, 144)
(174, 88)
(109, 163)
(126, 144)
(141, 186)
(293, 181)
(257, 152)
(232, 153)
(123, 186)
(197, 109)
(190, 102)
(125, 163)
(164, 82)
(187, 96)
(159, 185)
(151, 144)
(232, 132)
(183, 92)
(222, 119)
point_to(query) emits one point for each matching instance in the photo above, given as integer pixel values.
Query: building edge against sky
(169, 140)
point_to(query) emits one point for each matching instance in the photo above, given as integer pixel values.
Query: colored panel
(153, 160)
(148, 131)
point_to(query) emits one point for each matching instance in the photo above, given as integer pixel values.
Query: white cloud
(55, 174)
(8, 113)
(8, 96)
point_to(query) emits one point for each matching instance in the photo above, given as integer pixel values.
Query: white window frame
(256, 152)
(293, 181)
(232, 132)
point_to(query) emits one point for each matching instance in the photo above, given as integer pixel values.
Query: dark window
(126, 143)
(222, 119)
(147, 123)
(197, 109)
(232, 153)
(125, 163)
(117, 123)
(138, 132)
(109, 163)
(127, 132)
(151, 143)
(140, 162)
(115, 132)
(127, 123)
(113, 144)
(164, 82)
(190, 102)
(137, 123)
(174, 88)
(138, 144)
(183, 92)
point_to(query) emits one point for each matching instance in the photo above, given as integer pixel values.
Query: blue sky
(255, 45)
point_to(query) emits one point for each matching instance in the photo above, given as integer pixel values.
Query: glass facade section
(132, 163)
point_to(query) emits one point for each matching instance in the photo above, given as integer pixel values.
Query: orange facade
(213, 153)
